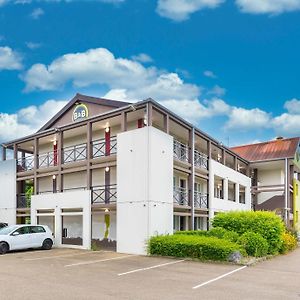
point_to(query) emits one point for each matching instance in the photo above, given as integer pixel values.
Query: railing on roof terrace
(25, 163)
(102, 148)
(200, 200)
(200, 160)
(104, 194)
(74, 153)
(180, 196)
(181, 151)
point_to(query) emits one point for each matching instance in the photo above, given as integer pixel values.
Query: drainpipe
(286, 191)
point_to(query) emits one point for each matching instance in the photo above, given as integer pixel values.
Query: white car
(19, 237)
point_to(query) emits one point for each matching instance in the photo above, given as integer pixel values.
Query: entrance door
(72, 230)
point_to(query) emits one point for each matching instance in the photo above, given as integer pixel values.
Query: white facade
(75, 206)
(145, 188)
(227, 174)
(8, 191)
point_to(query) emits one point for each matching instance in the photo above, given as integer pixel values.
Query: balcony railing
(181, 151)
(48, 159)
(104, 194)
(23, 201)
(101, 148)
(200, 200)
(25, 163)
(201, 160)
(180, 196)
(75, 153)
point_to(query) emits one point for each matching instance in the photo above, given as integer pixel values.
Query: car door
(19, 239)
(37, 236)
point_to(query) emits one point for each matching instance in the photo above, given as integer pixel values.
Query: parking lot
(78, 274)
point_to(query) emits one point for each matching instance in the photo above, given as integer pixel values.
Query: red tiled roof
(280, 148)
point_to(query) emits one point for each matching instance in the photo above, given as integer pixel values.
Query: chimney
(279, 138)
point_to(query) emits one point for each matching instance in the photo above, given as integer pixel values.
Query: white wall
(145, 188)
(99, 226)
(220, 205)
(8, 187)
(270, 177)
(71, 200)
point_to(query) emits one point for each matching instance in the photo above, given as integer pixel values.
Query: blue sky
(231, 67)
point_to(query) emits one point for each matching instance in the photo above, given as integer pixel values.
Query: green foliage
(289, 242)
(192, 232)
(217, 232)
(254, 244)
(194, 246)
(28, 193)
(267, 224)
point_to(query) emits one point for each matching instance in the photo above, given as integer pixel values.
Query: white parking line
(57, 256)
(153, 267)
(98, 261)
(219, 277)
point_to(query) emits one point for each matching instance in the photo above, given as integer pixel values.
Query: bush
(192, 232)
(254, 244)
(267, 224)
(218, 232)
(200, 247)
(289, 242)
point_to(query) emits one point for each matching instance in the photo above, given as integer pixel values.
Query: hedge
(267, 224)
(289, 242)
(200, 247)
(218, 232)
(254, 244)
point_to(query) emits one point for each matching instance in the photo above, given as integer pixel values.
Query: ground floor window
(200, 223)
(72, 230)
(180, 223)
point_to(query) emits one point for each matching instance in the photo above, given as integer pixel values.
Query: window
(23, 230)
(37, 229)
(231, 191)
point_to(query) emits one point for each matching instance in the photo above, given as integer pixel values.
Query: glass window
(23, 230)
(37, 229)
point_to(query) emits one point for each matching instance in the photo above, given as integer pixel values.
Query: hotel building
(114, 173)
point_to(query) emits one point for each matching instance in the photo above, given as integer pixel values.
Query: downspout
(286, 191)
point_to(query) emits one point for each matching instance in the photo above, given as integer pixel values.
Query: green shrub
(231, 236)
(254, 244)
(267, 224)
(192, 232)
(218, 232)
(200, 247)
(289, 242)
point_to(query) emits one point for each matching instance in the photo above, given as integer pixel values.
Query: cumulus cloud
(37, 13)
(32, 45)
(143, 58)
(209, 74)
(248, 119)
(268, 6)
(292, 106)
(10, 59)
(180, 10)
(27, 120)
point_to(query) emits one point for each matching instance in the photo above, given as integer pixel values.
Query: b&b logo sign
(80, 112)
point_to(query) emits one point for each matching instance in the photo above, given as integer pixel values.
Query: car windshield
(8, 229)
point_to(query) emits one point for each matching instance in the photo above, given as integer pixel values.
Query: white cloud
(32, 45)
(10, 59)
(209, 74)
(268, 6)
(3, 2)
(242, 119)
(287, 124)
(37, 13)
(292, 106)
(27, 120)
(143, 58)
(180, 10)
(217, 91)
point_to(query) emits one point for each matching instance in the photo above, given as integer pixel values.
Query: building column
(149, 114)
(237, 193)
(166, 123)
(60, 153)
(36, 165)
(123, 121)
(89, 153)
(4, 153)
(286, 192)
(225, 188)
(191, 178)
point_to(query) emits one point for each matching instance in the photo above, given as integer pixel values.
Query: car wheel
(47, 244)
(3, 248)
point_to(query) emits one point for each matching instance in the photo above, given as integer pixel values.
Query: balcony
(25, 164)
(23, 201)
(47, 160)
(75, 153)
(104, 194)
(180, 196)
(101, 148)
(200, 200)
(180, 151)
(200, 160)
